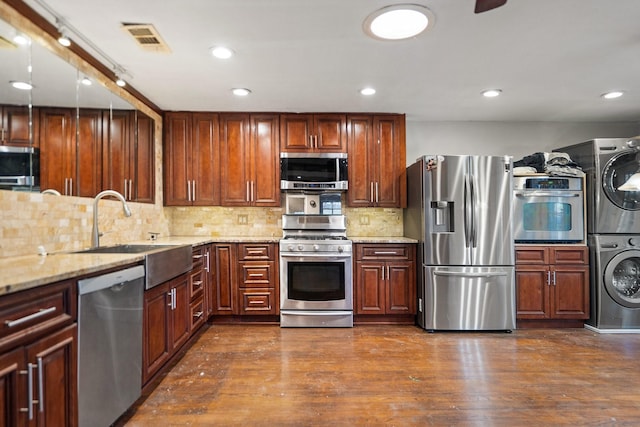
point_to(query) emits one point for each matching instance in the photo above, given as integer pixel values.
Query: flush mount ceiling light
(86, 81)
(221, 52)
(368, 91)
(240, 91)
(398, 22)
(21, 85)
(491, 93)
(612, 95)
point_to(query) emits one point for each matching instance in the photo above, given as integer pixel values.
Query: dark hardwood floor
(239, 375)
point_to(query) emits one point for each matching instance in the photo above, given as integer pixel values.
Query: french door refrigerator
(459, 208)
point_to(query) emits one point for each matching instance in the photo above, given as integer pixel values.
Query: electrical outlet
(243, 219)
(364, 219)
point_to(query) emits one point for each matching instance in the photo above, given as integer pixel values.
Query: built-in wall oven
(316, 272)
(548, 209)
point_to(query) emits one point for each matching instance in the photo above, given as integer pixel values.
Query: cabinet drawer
(532, 255)
(198, 316)
(198, 257)
(247, 251)
(257, 274)
(377, 252)
(31, 313)
(196, 283)
(569, 255)
(257, 301)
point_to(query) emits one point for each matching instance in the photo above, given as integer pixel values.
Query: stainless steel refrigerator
(459, 208)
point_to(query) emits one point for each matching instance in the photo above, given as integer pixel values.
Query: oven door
(548, 217)
(316, 281)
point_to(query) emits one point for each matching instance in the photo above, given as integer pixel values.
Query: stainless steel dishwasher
(110, 345)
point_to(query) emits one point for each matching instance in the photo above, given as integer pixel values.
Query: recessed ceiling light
(491, 93)
(221, 52)
(368, 91)
(21, 85)
(240, 91)
(86, 81)
(20, 39)
(398, 22)
(612, 95)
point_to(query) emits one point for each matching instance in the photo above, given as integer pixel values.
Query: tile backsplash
(30, 220)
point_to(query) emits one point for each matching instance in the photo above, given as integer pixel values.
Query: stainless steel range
(316, 272)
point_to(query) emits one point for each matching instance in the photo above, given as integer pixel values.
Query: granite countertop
(30, 271)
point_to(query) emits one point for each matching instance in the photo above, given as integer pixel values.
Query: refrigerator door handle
(474, 212)
(456, 273)
(467, 211)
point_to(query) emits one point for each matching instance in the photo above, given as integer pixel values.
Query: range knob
(291, 248)
(300, 247)
(340, 249)
(634, 241)
(316, 247)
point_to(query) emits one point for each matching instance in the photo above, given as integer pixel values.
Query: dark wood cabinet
(385, 279)
(58, 151)
(191, 153)
(313, 133)
(143, 160)
(167, 323)
(249, 159)
(14, 126)
(225, 279)
(88, 181)
(38, 357)
(376, 148)
(258, 278)
(552, 283)
(199, 287)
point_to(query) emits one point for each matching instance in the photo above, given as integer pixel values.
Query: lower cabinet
(199, 287)
(552, 283)
(385, 279)
(38, 357)
(166, 324)
(246, 280)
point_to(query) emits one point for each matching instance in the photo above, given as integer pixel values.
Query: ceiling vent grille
(146, 36)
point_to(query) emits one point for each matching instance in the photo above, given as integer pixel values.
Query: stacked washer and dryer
(613, 227)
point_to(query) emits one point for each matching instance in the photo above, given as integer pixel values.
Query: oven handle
(318, 312)
(547, 194)
(325, 255)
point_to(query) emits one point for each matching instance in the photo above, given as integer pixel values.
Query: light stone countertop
(30, 271)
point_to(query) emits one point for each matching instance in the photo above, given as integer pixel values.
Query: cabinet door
(570, 299)
(205, 160)
(532, 291)
(13, 391)
(181, 312)
(15, 126)
(235, 165)
(143, 160)
(89, 179)
(57, 150)
(225, 279)
(295, 132)
(265, 160)
(209, 293)
(361, 160)
(177, 159)
(390, 187)
(55, 378)
(330, 133)
(116, 169)
(157, 348)
(370, 288)
(401, 288)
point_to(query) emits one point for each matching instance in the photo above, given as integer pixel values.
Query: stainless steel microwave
(19, 167)
(548, 210)
(313, 171)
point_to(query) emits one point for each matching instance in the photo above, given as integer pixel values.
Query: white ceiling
(552, 58)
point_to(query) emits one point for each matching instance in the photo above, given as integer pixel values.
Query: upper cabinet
(14, 125)
(249, 159)
(191, 154)
(377, 160)
(313, 133)
(58, 150)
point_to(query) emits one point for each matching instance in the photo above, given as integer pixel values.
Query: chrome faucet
(95, 234)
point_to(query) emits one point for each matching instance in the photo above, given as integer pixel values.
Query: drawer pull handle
(386, 253)
(40, 313)
(198, 314)
(255, 275)
(197, 256)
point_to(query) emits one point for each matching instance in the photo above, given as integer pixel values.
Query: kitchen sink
(161, 262)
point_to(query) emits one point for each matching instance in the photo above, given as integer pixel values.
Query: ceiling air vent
(146, 36)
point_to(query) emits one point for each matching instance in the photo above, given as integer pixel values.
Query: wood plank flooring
(253, 375)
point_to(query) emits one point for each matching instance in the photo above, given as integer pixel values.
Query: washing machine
(608, 163)
(615, 281)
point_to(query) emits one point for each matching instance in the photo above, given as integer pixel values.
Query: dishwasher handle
(97, 283)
